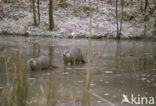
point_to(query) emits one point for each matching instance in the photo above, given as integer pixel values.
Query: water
(125, 67)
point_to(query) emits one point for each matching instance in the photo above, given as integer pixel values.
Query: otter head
(32, 63)
(67, 54)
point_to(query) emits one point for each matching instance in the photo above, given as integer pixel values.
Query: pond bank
(25, 34)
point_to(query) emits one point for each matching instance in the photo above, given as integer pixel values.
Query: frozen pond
(125, 67)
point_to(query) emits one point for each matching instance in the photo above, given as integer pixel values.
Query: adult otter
(73, 56)
(39, 63)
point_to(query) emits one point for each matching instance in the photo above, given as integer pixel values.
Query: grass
(16, 92)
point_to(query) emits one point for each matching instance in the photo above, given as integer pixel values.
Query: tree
(146, 4)
(38, 7)
(8, 1)
(1, 8)
(63, 3)
(131, 2)
(51, 19)
(141, 5)
(122, 3)
(155, 10)
(34, 12)
(110, 1)
(119, 28)
(118, 36)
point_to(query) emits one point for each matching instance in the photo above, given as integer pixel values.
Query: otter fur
(73, 56)
(39, 63)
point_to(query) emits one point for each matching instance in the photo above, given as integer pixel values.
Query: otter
(39, 63)
(73, 56)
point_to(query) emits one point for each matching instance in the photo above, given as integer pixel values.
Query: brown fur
(39, 63)
(73, 56)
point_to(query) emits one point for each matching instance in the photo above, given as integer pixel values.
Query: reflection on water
(126, 67)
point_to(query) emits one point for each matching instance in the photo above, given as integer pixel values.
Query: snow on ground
(73, 21)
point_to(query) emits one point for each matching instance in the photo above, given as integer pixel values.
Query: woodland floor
(73, 21)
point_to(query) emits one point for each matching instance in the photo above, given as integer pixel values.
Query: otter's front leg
(65, 61)
(73, 62)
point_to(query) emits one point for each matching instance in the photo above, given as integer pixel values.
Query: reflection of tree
(154, 53)
(118, 52)
(35, 50)
(117, 58)
(144, 57)
(51, 53)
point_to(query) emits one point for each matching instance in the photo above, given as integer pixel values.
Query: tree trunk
(146, 4)
(122, 1)
(63, 3)
(155, 10)
(38, 6)
(5, 1)
(51, 19)
(131, 2)
(141, 5)
(1, 7)
(118, 36)
(34, 12)
(9, 1)
(110, 1)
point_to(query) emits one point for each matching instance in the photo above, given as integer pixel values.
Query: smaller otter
(73, 56)
(39, 63)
